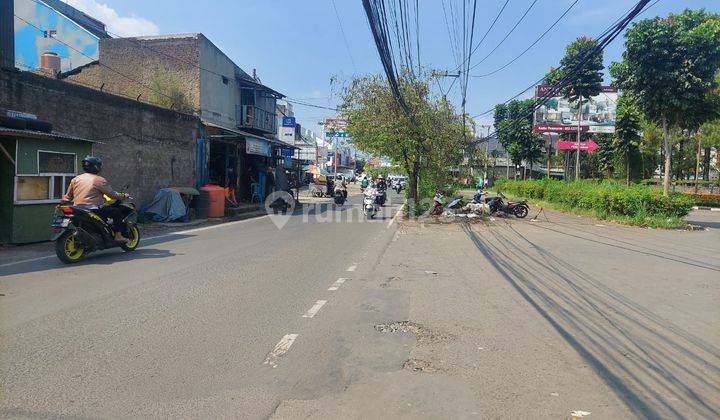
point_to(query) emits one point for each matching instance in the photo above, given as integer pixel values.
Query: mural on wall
(50, 27)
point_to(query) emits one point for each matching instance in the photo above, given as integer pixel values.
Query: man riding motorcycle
(87, 190)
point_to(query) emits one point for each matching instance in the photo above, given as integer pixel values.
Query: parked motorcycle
(438, 203)
(518, 208)
(78, 231)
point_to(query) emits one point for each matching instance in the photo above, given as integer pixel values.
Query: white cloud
(118, 25)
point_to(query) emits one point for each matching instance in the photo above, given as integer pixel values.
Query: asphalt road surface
(330, 318)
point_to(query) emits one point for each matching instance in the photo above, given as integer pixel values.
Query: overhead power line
(492, 25)
(506, 35)
(533, 43)
(603, 40)
(342, 31)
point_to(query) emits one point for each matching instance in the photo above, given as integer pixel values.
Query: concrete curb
(706, 208)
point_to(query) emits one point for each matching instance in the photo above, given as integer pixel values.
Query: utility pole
(697, 162)
(487, 150)
(577, 157)
(549, 150)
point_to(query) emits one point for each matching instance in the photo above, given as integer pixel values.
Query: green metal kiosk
(35, 169)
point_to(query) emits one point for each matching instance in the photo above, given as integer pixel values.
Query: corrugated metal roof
(7, 132)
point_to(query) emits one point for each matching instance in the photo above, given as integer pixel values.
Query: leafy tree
(427, 141)
(669, 65)
(553, 76)
(582, 66)
(627, 131)
(513, 124)
(605, 155)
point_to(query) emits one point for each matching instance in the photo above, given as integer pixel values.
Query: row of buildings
(162, 111)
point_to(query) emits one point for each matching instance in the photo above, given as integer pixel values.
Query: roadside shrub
(604, 198)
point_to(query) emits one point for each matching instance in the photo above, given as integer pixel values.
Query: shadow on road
(655, 367)
(107, 257)
(628, 246)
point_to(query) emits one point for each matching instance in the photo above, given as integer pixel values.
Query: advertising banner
(558, 115)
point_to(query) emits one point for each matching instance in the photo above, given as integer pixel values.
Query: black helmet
(92, 164)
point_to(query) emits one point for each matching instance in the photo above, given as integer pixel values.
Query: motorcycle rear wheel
(68, 249)
(134, 240)
(521, 212)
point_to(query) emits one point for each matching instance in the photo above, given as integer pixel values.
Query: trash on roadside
(579, 414)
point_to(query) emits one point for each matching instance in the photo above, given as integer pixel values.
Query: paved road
(183, 325)
(510, 319)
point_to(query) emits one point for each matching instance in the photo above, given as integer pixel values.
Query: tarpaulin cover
(166, 206)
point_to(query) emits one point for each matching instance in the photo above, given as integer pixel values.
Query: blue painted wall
(30, 42)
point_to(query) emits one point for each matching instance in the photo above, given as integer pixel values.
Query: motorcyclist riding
(381, 184)
(87, 190)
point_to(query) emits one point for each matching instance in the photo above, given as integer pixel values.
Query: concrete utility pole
(7, 34)
(577, 157)
(697, 163)
(487, 149)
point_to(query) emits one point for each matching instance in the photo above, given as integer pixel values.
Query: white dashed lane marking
(315, 309)
(337, 284)
(280, 349)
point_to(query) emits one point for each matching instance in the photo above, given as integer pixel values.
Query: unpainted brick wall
(154, 71)
(144, 147)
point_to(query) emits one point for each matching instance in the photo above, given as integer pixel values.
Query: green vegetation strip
(637, 205)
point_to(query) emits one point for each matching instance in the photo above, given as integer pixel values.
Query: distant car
(566, 121)
(349, 176)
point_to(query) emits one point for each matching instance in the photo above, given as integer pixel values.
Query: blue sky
(296, 45)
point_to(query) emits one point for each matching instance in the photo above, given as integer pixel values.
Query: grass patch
(638, 205)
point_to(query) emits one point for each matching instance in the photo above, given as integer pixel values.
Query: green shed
(35, 169)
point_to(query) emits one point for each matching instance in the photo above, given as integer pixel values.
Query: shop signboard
(288, 122)
(287, 152)
(287, 134)
(559, 115)
(257, 147)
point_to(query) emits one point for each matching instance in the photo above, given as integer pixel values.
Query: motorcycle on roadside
(519, 209)
(78, 230)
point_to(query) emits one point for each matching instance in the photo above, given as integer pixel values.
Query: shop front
(241, 163)
(36, 169)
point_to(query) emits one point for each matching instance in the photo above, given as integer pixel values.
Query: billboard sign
(559, 115)
(337, 123)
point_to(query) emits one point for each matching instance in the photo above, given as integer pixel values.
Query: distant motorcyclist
(87, 190)
(381, 184)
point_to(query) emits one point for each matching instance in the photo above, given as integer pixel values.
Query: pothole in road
(389, 280)
(418, 365)
(423, 334)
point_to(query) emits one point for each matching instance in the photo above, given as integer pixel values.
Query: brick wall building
(159, 70)
(144, 147)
